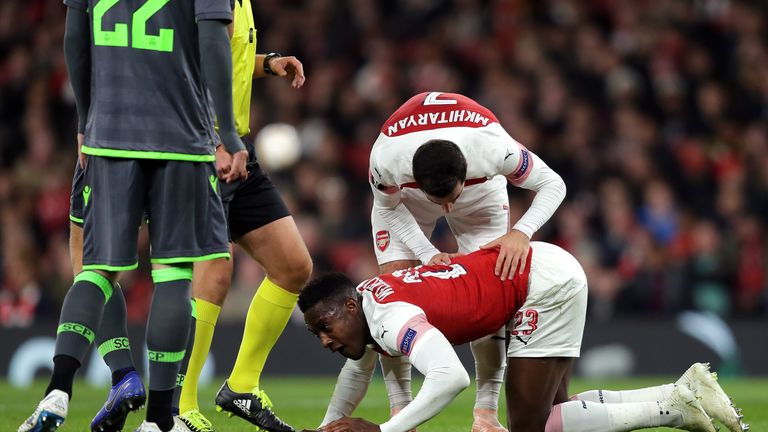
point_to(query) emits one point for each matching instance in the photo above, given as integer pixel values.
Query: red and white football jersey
(464, 300)
(487, 147)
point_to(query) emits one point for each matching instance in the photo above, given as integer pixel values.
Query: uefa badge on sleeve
(382, 240)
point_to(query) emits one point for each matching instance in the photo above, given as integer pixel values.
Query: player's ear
(351, 304)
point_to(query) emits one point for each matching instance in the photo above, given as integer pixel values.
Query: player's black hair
(332, 286)
(438, 166)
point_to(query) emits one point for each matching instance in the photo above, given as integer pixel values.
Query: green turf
(301, 401)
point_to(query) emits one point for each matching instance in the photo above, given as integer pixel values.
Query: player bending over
(421, 312)
(445, 155)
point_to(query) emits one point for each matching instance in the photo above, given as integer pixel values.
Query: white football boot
(683, 403)
(178, 426)
(713, 399)
(49, 414)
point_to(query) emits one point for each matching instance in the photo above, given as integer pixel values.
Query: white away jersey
(487, 147)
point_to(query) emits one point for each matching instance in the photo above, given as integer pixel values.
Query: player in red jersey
(420, 312)
(445, 155)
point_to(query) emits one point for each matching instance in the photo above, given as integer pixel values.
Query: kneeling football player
(421, 312)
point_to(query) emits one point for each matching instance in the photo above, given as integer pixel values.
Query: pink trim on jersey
(555, 420)
(417, 114)
(524, 167)
(411, 332)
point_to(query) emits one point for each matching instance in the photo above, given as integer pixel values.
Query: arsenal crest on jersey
(382, 240)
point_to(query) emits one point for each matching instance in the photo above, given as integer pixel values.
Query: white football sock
(650, 394)
(583, 416)
(490, 364)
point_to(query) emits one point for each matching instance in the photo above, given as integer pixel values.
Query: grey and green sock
(80, 315)
(185, 363)
(167, 337)
(112, 336)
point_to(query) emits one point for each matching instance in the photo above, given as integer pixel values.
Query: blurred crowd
(655, 113)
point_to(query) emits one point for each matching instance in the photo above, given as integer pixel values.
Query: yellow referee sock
(207, 314)
(268, 314)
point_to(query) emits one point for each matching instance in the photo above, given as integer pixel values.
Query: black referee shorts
(251, 203)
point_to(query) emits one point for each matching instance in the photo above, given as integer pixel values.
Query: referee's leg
(279, 248)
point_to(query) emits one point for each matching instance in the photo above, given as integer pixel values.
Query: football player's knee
(303, 270)
(217, 275)
(294, 274)
(214, 292)
(221, 278)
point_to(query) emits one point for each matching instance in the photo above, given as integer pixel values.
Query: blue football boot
(126, 396)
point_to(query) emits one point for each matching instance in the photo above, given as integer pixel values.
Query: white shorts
(551, 321)
(480, 215)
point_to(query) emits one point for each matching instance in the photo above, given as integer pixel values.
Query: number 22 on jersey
(139, 37)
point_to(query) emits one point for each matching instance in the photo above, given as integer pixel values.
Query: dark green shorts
(181, 201)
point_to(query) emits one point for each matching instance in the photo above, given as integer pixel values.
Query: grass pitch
(301, 401)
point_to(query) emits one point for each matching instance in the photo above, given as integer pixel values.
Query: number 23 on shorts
(531, 319)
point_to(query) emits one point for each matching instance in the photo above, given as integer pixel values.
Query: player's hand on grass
(289, 67)
(513, 253)
(348, 424)
(80, 155)
(443, 258)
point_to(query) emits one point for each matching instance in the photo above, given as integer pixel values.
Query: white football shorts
(550, 323)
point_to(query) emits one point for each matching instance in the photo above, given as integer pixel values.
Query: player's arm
(388, 205)
(284, 66)
(77, 54)
(536, 176)
(444, 378)
(288, 66)
(351, 386)
(524, 169)
(216, 62)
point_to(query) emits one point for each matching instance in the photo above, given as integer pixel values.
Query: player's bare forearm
(285, 66)
(258, 71)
